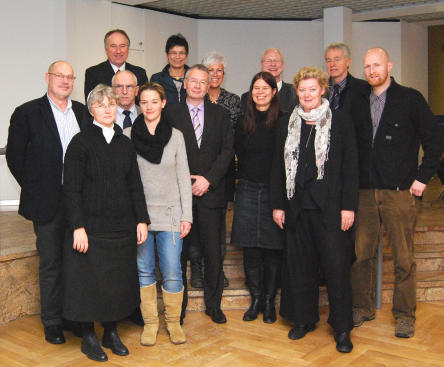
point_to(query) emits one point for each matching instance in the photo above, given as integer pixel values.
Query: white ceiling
(409, 10)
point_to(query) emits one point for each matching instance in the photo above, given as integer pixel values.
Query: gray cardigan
(167, 185)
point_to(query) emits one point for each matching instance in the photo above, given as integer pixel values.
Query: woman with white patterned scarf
(314, 193)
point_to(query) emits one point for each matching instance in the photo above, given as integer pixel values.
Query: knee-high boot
(173, 307)
(253, 279)
(271, 273)
(148, 306)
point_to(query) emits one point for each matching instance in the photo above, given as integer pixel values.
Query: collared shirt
(120, 116)
(342, 84)
(200, 114)
(66, 122)
(377, 104)
(115, 68)
(108, 132)
(279, 85)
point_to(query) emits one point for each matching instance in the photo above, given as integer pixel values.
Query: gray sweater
(167, 185)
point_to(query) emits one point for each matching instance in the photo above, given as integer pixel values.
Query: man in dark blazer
(272, 61)
(117, 45)
(209, 142)
(39, 134)
(392, 121)
(343, 86)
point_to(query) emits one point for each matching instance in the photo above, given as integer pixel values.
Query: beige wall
(436, 69)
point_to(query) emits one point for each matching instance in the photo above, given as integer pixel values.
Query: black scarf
(150, 146)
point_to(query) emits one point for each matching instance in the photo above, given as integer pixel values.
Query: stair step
(424, 262)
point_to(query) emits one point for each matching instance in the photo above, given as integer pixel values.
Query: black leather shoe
(111, 340)
(269, 310)
(196, 281)
(343, 342)
(299, 331)
(257, 306)
(216, 315)
(54, 334)
(92, 348)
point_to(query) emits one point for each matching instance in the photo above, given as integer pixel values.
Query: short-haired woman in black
(253, 227)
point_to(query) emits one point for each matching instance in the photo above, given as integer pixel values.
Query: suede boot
(148, 306)
(173, 308)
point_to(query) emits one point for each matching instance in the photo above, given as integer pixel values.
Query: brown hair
(121, 31)
(154, 87)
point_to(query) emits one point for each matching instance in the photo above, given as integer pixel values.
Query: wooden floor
(240, 343)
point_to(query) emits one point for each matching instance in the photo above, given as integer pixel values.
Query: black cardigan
(391, 161)
(339, 187)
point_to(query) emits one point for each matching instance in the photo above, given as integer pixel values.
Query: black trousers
(205, 233)
(50, 237)
(309, 247)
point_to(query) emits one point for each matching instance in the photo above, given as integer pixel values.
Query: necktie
(127, 120)
(197, 125)
(334, 103)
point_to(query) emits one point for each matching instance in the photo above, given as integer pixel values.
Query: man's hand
(279, 217)
(200, 186)
(80, 242)
(347, 219)
(417, 188)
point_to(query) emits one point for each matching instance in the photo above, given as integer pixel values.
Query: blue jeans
(169, 248)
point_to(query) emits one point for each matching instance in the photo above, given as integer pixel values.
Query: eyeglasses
(123, 86)
(104, 107)
(334, 59)
(62, 76)
(177, 53)
(216, 71)
(202, 83)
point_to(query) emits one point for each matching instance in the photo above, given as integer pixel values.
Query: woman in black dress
(253, 226)
(314, 192)
(107, 218)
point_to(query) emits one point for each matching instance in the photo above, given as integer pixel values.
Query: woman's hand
(185, 228)
(142, 233)
(279, 217)
(347, 219)
(80, 242)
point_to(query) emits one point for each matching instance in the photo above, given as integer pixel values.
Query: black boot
(111, 339)
(271, 273)
(90, 343)
(257, 306)
(196, 280)
(269, 309)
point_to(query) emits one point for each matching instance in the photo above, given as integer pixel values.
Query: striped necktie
(197, 125)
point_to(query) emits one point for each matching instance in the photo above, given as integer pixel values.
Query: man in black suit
(39, 134)
(272, 61)
(343, 86)
(208, 138)
(117, 45)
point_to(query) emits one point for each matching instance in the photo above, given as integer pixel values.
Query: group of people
(322, 165)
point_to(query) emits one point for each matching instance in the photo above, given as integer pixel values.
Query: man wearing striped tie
(208, 138)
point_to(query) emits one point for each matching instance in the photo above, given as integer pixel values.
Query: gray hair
(214, 57)
(124, 71)
(198, 67)
(340, 46)
(99, 93)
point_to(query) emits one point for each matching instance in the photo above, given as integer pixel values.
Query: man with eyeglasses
(39, 134)
(272, 61)
(125, 86)
(208, 136)
(343, 86)
(117, 45)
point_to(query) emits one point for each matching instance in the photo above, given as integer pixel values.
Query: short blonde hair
(99, 93)
(311, 72)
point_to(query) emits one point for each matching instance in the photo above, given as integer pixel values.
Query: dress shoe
(216, 315)
(54, 334)
(92, 348)
(111, 340)
(343, 342)
(269, 310)
(299, 331)
(257, 306)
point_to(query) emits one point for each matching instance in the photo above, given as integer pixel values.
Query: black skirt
(101, 285)
(253, 224)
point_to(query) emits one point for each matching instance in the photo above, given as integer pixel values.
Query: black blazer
(339, 188)
(353, 89)
(287, 97)
(35, 157)
(103, 73)
(214, 156)
(391, 160)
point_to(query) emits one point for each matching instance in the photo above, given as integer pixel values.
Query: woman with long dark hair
(253, 226)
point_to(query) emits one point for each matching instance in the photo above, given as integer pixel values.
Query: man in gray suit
(125, 86)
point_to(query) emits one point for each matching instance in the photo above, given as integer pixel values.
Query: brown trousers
(396, 212)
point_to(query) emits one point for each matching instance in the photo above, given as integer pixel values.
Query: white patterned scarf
(322, 118)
